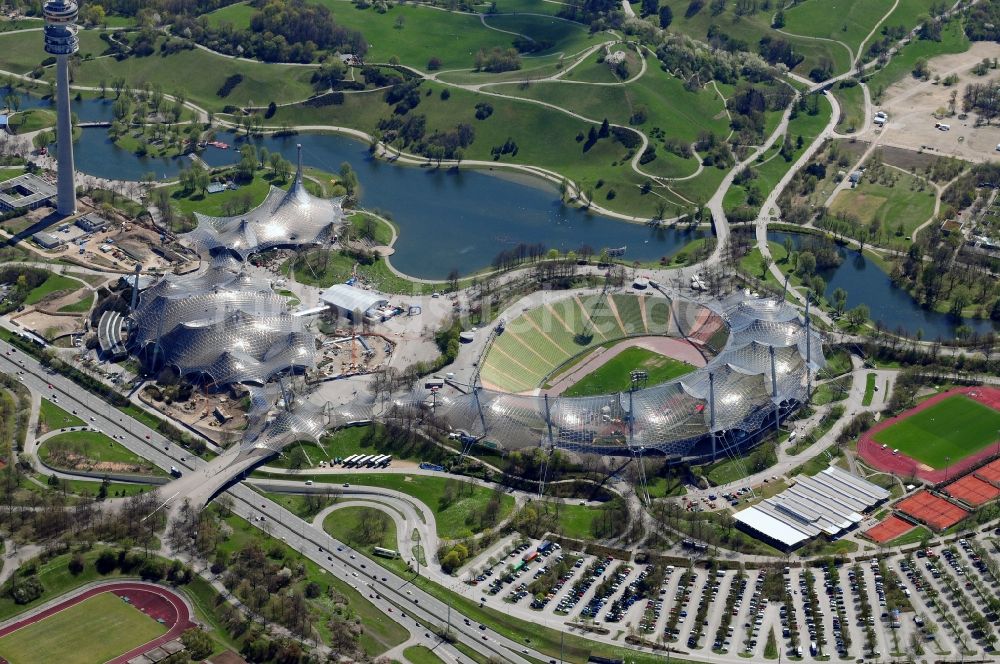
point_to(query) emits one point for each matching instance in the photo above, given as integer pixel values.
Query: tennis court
(990, 473)
(927, 508)
(972, 491)
(888, 530)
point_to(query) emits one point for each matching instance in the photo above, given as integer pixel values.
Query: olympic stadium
(759, 374)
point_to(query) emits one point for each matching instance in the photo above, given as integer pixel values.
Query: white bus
(349, 460)
(386, 461)
(377, 461)
(363, 461)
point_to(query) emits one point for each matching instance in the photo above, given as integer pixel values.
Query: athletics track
(157, 602)
(906, 466)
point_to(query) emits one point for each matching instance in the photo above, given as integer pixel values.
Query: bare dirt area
(914, 109)
(49, 326)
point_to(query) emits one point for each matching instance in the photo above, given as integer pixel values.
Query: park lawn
(213, 204)
(33, 119)
(680, 114)
(421, 655)
(339, 268)
(869, 389)
(52, 417)
(724, 472)
(614, 376)
(852, 108)
(96, 447)
(20, 52)
(557, 36)
(545, 138)
(578, 521)
(55, 282)
(10, 173)
(751, 29)
(426, 33)
(953, 40)
(342, 524)
(237, 15)
(382, 232)
(848, 21)
(899, 204)
(95, 630)
(262, 82)
(454, 519)
(944, 433)
(594, 70)
(81, 306)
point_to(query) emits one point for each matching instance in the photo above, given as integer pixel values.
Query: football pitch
(614, 376)
(95, 630)
(944, 433)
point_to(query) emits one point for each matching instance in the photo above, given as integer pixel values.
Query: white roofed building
(354, 303)
(828, 503)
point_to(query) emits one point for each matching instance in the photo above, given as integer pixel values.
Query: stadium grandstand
(758, 376)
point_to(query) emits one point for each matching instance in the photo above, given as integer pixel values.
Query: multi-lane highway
(407, 602)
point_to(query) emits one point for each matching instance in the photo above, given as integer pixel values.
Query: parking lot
(940, 602)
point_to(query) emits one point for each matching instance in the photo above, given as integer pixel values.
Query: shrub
(229, 84)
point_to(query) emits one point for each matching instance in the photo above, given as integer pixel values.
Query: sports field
(947, 431)
(615, 375)
(540, 340)
(95, 630)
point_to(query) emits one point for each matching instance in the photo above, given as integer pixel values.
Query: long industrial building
(829, 503)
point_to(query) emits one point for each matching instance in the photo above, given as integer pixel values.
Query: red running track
(906, 466)
(157, 602)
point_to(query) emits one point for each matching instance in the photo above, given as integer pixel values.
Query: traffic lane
(376, 594)
(429, 608)
(145, 441)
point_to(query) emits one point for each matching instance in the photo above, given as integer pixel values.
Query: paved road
(314, 544)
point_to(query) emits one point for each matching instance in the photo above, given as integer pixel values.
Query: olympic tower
(62, 42)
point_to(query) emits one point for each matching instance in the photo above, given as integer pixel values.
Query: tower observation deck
(61, 41)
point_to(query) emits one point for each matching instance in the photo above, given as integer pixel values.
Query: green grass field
(31, 120)
(953, 40)
(421, 655)
(51, 417)
(95, 447)
(615, 375)
(55, 282)
(869, 389)
(262, 83)
(455, 508)
(95, 630)
(915, 536)
(852, 108)
(944, 433)
(342, 524)
(81, 306)
(900, 203)
(848, 21)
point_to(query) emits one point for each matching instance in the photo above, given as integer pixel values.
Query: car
(346, 485)
(50, 386)
(482, 627)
